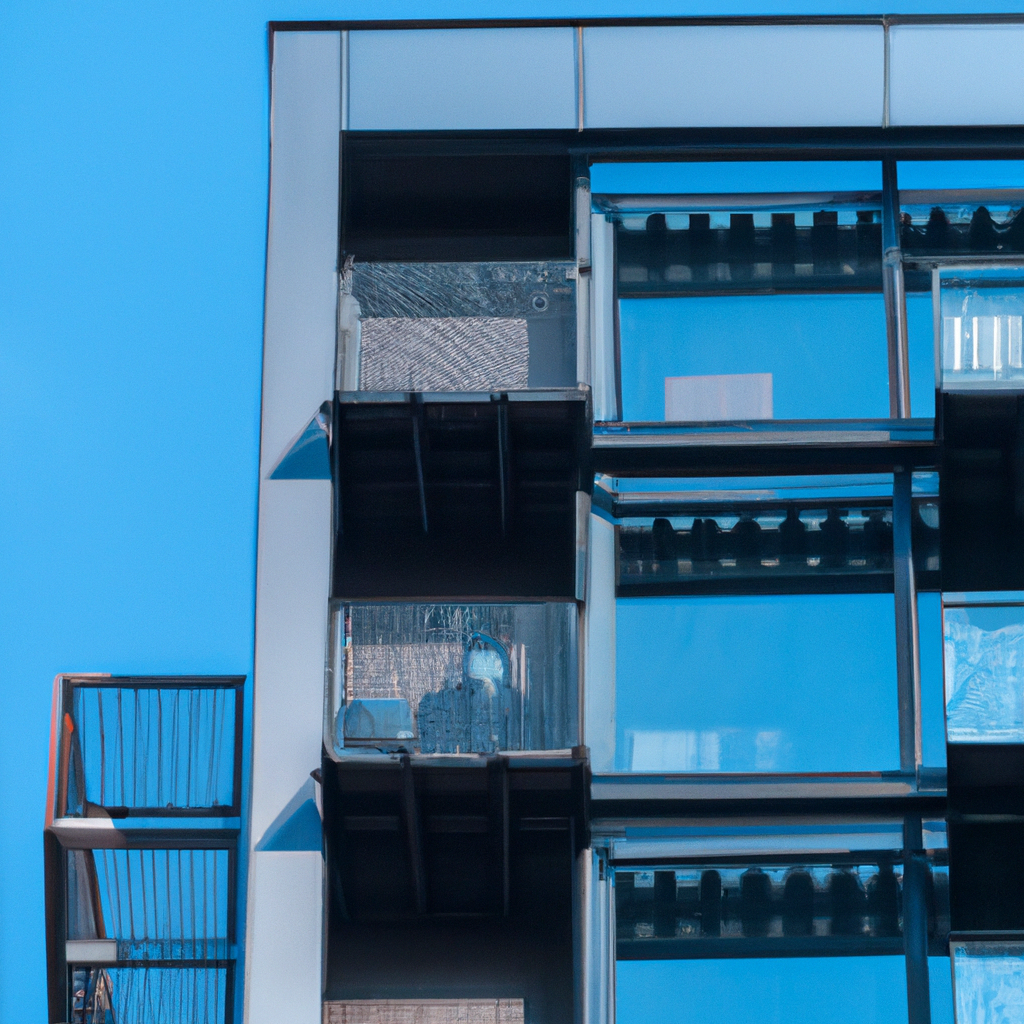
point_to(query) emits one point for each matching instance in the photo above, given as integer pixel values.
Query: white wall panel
(733, 76)
(462, 79)
(283, 927)
(956, 74)
(283, 969)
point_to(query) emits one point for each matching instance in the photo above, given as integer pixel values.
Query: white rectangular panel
(283, 963)
(90, 951)
(733, 76)
(956, 74)
(445, 79)
(718, 396)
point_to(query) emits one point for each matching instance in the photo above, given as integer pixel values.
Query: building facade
(639, 585)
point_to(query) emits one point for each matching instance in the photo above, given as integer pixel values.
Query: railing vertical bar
(103, 750)
(120, 745)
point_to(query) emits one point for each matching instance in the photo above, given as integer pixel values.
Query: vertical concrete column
(283, 941)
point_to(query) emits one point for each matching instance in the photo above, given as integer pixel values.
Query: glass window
(983, 640)
(747, 291)
(761, 357)
(452, 678)
(981, 339)
(797, 990)
(800, 533)
(960, 174)
(988, 981)
(791, 904)
(921, 346)
(795, 683)
(940, 988)
(929, 628)
(735, 176)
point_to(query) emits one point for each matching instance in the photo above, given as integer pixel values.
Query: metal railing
(148, 747)
(141, 913)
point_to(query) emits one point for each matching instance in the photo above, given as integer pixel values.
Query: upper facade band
(559, 75)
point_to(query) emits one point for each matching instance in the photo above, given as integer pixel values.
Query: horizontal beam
(709, 949)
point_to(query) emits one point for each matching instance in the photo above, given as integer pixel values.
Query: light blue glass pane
(989, 982)
(801, 990)
(940, 985)
(984, 652)
(827, 354)
(933, 726)
(939, 174)
(921, 339)
(803, 683)
(852, 485)
(738, 176)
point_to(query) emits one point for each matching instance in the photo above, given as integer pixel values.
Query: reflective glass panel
(988, 982)
(940, 989)
(984, 664)
(738, 176)
(452, 678)
(929, 628)
(921, 344)
(981, 342)
(968, 223)
(805, 533)
(793, 990)
(794, 683)
(795, 356)
(730, 902)
(960, 174)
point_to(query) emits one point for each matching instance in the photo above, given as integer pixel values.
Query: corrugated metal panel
(425, 1011)
(447, 79)
(733, 76)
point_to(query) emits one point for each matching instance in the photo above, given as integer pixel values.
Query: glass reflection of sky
(933, 731)
(796, 683)
(984, 657)
(738, 176)
(989, 982)
(797, 990)
(827, 354)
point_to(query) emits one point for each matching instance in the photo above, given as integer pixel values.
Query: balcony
(143, 818)
(452, 679)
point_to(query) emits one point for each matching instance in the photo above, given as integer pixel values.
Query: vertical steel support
(895, 294)
(908, 664)
(334, 450)
(583, 882)
(908, 669)
(583, 280)
(915, 922)
(414, 836)
(418, 430)
(594, 938)
(937, 335)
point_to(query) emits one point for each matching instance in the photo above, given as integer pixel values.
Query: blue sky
(133, 156)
